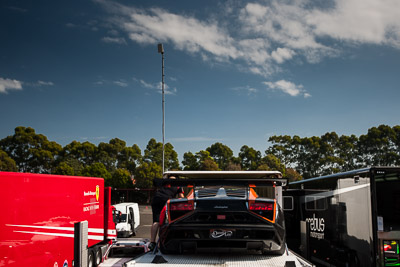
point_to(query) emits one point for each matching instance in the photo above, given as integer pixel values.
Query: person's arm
(180, 192)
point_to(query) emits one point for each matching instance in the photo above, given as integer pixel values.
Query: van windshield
(123, 217)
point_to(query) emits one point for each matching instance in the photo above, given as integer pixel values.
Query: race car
(223, 211)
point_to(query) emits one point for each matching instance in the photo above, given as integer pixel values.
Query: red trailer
(38, 216)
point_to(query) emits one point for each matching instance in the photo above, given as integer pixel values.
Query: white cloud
(287, 88)
(70, 25)
(259, 37)
(280, 55)
(43, 83)
(120, 83)
(268, 35)
(148, 85)
(8, 84)
(247, 89)
(185, 33)
(115, 40)
(361, 21)
(158, 87)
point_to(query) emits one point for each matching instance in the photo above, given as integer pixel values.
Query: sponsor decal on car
(221, 233)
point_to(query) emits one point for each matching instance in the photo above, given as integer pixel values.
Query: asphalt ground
(146, 220)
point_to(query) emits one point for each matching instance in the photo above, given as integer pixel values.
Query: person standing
(161, 197)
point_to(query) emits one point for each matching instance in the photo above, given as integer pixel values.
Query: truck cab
(128, 219)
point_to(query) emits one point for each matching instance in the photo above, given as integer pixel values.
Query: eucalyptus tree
(153, 153)
(7, 163)
(31, 152)
(250, 158)
(221, 154)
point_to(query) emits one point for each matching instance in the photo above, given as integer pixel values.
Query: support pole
(161, 50)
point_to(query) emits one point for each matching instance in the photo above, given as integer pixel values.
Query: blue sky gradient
(237, 72)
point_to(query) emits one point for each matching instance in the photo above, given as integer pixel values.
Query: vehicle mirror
(117, 217)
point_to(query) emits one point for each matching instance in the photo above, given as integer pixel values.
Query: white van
(129, 219)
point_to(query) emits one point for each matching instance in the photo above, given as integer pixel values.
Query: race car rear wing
(220, 178)
(223, 174)
(221, 182)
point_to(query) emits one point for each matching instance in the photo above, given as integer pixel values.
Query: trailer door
(387, 186)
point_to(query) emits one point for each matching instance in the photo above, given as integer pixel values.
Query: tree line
(125, 166)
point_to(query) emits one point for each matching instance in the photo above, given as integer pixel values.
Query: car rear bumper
(177, 239)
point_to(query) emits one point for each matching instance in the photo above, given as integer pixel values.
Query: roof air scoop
(221, 192)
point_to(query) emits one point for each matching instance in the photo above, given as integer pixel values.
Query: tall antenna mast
(161, 50)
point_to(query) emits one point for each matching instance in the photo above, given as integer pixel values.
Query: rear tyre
(98, 256)
(91, 259)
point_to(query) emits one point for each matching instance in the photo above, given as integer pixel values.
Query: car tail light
(265, 210)
(391, 247)
(387, 247)
(180, 209)
(181, 206)
(261, 206)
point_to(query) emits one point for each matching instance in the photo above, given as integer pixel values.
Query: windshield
(123, 218)
(220, 191)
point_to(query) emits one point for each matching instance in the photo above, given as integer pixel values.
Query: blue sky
(237, 72)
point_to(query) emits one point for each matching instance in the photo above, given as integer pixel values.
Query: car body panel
(224, 213)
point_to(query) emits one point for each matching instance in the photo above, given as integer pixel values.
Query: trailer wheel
(91, 258)
(98, 256)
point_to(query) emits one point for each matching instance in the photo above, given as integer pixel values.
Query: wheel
(98, 256)
(91, 259)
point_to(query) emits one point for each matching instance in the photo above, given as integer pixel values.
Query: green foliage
(233, 167)
(130, 158)
(64, 169)
(292, 175)
(31, 152)
(97, 170)
(378, 146)
(296, 157)
(6, 163)
(221, 154)
(209, 165)
(190, 162)
(121, 178)
(315, 156)
(200, 161)
(249, 157)
(116, 154)
(153, 153)
(146, 173)
(78, 155)
(273, 163)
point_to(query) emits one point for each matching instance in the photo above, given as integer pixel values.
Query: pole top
(160, 48)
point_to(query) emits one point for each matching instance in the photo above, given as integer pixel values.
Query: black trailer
(346, 219)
